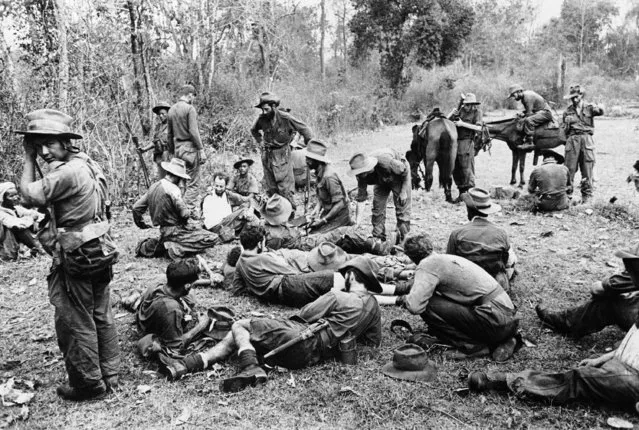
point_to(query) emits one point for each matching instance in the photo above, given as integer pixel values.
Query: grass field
(557, 269)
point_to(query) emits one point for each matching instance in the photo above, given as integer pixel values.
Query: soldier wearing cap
(551, 183)
(536, 112)
(580, 147)
(74, 192)
(183, 135)
(481, 241)
(168, 210)
(275, 129)
(159, 144)
(332, 210)
(353, 312)
(388, 171)
(17, 224)
(244, 186)
(464, 171)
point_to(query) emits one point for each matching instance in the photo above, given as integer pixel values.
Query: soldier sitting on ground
(353, 312)
(16, 224)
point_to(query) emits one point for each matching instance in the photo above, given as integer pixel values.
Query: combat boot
(481, 381)
(527, 145)
(377, 246)
(250, 374)
(552, 320)
(95, 392)
(176, 369)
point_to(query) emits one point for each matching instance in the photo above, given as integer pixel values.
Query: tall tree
(63, 56)
(431, 31)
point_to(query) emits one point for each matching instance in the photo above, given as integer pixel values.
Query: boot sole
(239, 383)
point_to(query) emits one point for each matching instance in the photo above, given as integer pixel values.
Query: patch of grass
(621, 213)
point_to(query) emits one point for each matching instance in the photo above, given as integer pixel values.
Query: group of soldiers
(337, 271)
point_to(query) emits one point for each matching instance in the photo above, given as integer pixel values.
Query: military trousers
(464, 171)
(278, 173)
(580, 154)
(402, 211)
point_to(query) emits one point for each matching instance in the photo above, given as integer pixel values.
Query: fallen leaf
(559, 216)
(611, 264)
(32, 282)
(547, 233)
(257, 314)
(517, 223)
(291, 382)
(588, 211)
(222, 403)
(619, 423)
(348, 390)
(143, 389)
(151, 373)
(233, 413)
(24, 412)
(42, 337)
(121, 315)
(184, 417)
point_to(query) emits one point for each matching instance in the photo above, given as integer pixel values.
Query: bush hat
(161, 105)
(277, 210)
(549, 153)
(513, 89)
(176, 167)
(248, 161)
(316, 150)
(368, 268)
(630, 258)
(326, 256)
(479, 199)
(49, 122)
(471, 99)
(575, 90)
(268, 98)
(361, 163)
(222, 318)
(410, 363)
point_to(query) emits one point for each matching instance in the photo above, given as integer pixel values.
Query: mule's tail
(445, 167)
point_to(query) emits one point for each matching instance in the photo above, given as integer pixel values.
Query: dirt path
(557, 268)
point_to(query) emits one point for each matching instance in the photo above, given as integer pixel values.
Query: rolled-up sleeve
(317, 309)
(423, 289)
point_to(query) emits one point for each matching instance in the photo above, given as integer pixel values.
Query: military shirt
(165, 204)
(481, 242)
(281, 236)
(533, 102)
(580, 119)
(279, 131)
(160, 140)
(454, 278)
(471, 116)
(182, 125)
(330, 189)
(391, 169)
(244, 185)
(550, 179)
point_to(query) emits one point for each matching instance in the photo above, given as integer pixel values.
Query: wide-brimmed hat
(326, 256)
(479, 199)
(628, 253)
(575, 90)
(161, 105)
(222, 318)
(471, 99)
(411, 364)
(316, 149)
(5, 187)
(176, 167)
(630, 258)
(360, 163)
(277, 210)
(367, 268)
(49, 122)
(513, 89)
(553, 154)
(268, 97)
(248, 161)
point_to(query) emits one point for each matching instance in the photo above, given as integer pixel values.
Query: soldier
(536, 112)
(276, 129)
(332, 210)
(580, 147)
(160, 145)
(551, 183)
(244, 187)
(389, 172)
(75, 193)
(16, 224)
(184, 140)
(464, 171)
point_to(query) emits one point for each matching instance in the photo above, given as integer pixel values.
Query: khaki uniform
(161, 147)
(551, 183)
(536, 110)
(464, 171)
(330, 191)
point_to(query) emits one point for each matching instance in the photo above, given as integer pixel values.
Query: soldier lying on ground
(353, 312)
(169, 211)
(460, 302)
(16, 224)
(615, 301)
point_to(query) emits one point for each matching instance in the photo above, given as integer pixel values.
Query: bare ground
(557, 268)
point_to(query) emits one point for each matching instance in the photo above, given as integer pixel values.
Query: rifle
(145, 170)
(307, 192)
(306, 334)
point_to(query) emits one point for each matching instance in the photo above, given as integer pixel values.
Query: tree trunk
(63, 59)
(138, 69)
(322, 37)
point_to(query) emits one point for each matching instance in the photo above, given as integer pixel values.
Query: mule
(435, 141)
(506, 130)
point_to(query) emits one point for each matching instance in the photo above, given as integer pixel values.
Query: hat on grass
(176, 167)
(549, 153)
(277, 210)
(410, 363)
(479, 199)
(161, 105)
(361, 163)
(316, 150)
(49, 122)
(513, 89)
(326, 256)
(248, 161)
(367, 268)
(222, 318)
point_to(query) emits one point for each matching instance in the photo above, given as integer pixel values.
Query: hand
(403, 197)
(520, 114)
(202, 155)
(318, 223)
(592, 362)
(29, 148)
